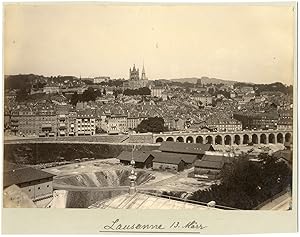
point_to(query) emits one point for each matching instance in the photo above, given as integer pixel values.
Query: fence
(270, 199)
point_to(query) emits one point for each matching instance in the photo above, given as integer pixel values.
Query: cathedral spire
(143, 77)
(143, 72)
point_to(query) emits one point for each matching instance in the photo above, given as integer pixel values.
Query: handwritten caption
(118, 225)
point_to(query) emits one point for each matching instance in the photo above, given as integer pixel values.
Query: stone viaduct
(227, 138)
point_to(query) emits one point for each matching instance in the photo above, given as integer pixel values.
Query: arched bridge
(227, 138)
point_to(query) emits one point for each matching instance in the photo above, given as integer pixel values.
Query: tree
(99, 130)
(22, 94)
(88, 95)
(211, 91)
(187, 90)
(140, 91)
(117, 92)
(152, 124)
(246, 184)
(74, 99)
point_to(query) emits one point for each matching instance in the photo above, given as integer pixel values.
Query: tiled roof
(213, 161)
(23, 175)
(138, 156)
(185, 148)
(172, 158)
(167, 159)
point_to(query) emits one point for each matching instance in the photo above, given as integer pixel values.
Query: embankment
(44, 152)
(107, 178)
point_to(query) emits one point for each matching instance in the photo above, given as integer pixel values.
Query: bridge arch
(159, 139)
(227, 140)
(272, 138)
(170, 139)
(287, 137)
(179, 139)
(246, 139)
(237, 139)
(254, 139)
(218, 140)
(209, 139)
(280, 138)
(199, 139)
(263, 138)
(189, 139)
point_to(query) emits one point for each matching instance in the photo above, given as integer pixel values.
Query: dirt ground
(164, 181)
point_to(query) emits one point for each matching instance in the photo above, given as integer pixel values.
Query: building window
(48, 186)
(29, 190)
(39, 188)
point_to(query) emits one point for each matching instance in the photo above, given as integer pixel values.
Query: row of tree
(152, 124)
(276, 86)
(88, 95)
(140, 91)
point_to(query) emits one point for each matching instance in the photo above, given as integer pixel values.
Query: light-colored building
(85, 123)
(40, 121)
(157, 92)
(37, 184)
(51, 89)
(98, 80)
(133, 121)
(135, 81)
(285, 124)
(116, 124)
(223, 124)
(204, 98)
(174, 123)
(247, 90)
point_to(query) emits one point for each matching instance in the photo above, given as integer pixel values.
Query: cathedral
(135, 81)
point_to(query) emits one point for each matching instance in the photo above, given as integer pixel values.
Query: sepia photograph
(150, 107)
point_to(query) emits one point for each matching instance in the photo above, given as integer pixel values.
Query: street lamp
(132, 176)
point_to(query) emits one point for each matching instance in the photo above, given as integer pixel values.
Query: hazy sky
(243, 43)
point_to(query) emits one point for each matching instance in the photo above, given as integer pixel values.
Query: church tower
(134, 74)
(143, 74)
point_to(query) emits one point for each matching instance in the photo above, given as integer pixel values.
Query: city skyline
(70, 41)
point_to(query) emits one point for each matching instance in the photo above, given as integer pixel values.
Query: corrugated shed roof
(138, 156)
(185, 148)
(172, 158)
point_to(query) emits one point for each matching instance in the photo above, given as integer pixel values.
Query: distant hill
(204, 80)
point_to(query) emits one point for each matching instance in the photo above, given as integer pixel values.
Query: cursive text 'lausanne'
(116, 225)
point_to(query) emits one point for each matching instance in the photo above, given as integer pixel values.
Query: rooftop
(18, 174)
(172, 158)
(213, 161)
(138, 156)
(209, 164)
(147, 201)
(185, 148)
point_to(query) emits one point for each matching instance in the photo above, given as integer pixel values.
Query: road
(281, 203)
